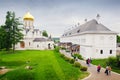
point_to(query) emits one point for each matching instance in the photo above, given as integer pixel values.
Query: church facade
(33, 38)
(94, 40)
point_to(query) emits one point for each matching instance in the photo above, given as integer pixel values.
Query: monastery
(33, 38)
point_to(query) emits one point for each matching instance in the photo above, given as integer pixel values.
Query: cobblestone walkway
(93, 73)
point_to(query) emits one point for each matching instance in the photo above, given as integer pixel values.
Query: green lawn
(102, 62)
(47, 65)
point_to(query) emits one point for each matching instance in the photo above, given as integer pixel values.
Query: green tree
(44, 33)
(118, 39)
(2, 37)
(13, 31)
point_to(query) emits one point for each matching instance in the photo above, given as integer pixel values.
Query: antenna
(98, 17)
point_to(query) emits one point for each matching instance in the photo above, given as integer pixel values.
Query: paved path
(3, 71)
(93, 73)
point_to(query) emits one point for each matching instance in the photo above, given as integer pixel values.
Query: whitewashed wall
(43, 45)
(91, 44)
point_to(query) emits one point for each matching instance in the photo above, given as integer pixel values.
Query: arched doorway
(49, 46)
(22, 44)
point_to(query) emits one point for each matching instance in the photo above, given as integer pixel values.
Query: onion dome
(28, 16)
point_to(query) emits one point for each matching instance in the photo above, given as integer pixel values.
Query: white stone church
(94, 40)
(33, 38)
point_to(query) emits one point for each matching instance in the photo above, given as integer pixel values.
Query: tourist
(71, 53)
(109, 70)
(98, 68)
(106, 71)
(88, 62)
(74, 57)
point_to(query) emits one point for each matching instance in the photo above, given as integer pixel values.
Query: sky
(58, 16)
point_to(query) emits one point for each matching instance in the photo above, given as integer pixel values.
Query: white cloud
(60, 15)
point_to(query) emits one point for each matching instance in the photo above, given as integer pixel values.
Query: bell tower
(28, 22)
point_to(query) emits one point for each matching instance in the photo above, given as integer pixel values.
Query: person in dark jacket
(106, 71)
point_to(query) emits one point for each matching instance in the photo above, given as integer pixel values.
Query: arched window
(22, 44)
(29, 43)
(49, 46)
(37, 46)
(110, 51)
(78, 31)
(101, 51)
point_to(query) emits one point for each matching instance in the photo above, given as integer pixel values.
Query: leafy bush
(111, 61)
(118, 60)
(72, 61)
(67, 58)
(63, 48)
(77, 64)
(78, 56)
(83, 68)
(57, 49)
(114, 61)
(67, 50)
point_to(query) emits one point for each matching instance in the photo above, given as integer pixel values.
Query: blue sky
(57, 16)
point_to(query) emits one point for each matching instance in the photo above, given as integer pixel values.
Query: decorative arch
(49, 46)
(22, 44)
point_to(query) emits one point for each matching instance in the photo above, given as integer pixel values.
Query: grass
(102, 62)
(47, 65)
